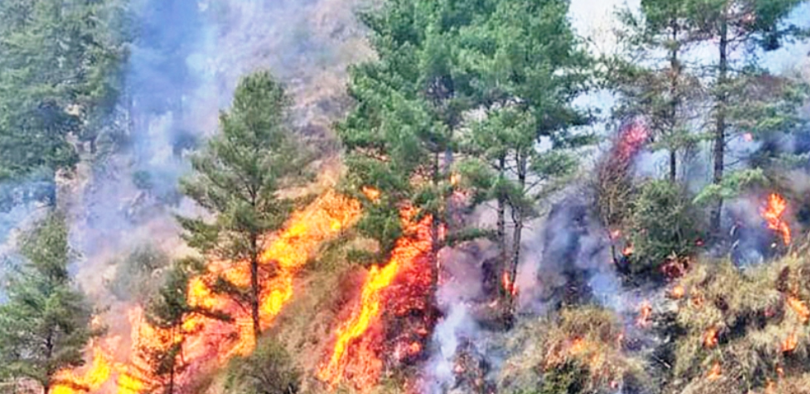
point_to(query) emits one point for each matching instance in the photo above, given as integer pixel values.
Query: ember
(772, 213)
(710, 337)
(677, 292)
(645, 311)
(790, 343)
(508, 286)
(715, 373)
(800, 308)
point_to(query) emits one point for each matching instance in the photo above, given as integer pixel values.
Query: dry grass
(587, 336)
(744, 323)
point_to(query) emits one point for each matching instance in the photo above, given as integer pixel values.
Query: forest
(404, 197)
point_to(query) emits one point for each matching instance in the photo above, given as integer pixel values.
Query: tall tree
(62, 71)
(735, 25)
(239, 177)
(46, 323)
(653, 81)
(525, 67)
(398, 137)
(167, 313)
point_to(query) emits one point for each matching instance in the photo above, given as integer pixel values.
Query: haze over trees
(469, 120)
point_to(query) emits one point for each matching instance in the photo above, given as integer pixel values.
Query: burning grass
(743, 330)
(587, 339)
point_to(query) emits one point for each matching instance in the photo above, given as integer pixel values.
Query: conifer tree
(654, 82)
(735, 25)
(46, 323)
(238, 176)
(524, 67)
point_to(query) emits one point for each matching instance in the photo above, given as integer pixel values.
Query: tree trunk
(720, 125)
(501, 229)
(254, 287)
(435, 223)
(517, 220)
(675, 73)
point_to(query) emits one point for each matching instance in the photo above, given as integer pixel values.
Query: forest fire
(356, 351)
(284, 257)
(96, 376)
(773, 212)
(206, 339)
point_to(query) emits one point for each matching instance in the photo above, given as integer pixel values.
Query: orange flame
(644, 314)
(628, 250)
(677, 292)
(209, 341)
(95, 377)
(508, 285)
(790, 343)
(772, 213)
(800, 308)
(378, 279)
(710, 337)
(715, 373)
(370, 192)
(348, 349)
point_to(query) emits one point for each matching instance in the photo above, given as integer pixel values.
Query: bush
(662, 227)
(135, 276)
(576, 351)
(269, 370)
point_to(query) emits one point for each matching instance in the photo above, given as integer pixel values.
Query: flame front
(355, 353)
(772, 213)
(96, 376)
(208, 341)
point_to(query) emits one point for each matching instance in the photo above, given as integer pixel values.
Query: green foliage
(46, 322)
(565, 379)
(61, 77)
(731, 186)
(239, 176)
(663, 226)
(269, 370)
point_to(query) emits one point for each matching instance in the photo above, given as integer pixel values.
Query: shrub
(662, 227)
(269, 370)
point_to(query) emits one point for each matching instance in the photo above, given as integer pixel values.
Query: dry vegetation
(744, 329)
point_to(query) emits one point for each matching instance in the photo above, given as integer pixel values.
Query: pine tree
(525, 67)
(46, 323)
(399, 136)
(167, 312)
(653, 81)
(735, 25)
(239, 177)
(62, 72)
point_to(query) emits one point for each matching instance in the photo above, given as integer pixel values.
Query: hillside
(404, 196)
